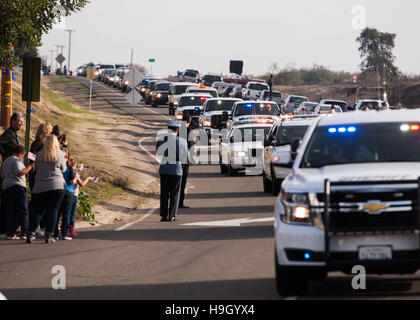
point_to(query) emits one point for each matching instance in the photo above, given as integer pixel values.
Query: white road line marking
(2, 297)
(228, 223)
(147, 151)
(166, 117)
(128, 225)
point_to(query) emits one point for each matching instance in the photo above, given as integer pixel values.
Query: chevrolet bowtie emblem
(374, 207)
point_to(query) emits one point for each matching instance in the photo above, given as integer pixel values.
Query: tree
(376, 51)
(23, 22)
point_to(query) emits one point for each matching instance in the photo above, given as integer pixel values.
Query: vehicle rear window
(220, 105)
(179, 89)
(258, 86)
(192, 101)
(366, 143)
(163, 86)
(246, 109)
(298, 99)
(106, 66)
(286, 134)
(190, 74)
(211, 92)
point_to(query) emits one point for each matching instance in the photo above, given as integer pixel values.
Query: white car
(254, 90)
(177, 89)
(342, 104)
(306, 108)
(254, 111)
(277, 145)
(292, 102)
(203, 90)
(368, 105)
(191, 104)
(220, 87)
(327, 109)
(352, 199)
(242, 148)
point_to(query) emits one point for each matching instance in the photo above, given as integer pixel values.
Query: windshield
(373, 143)
(211, 92)
(274, 94)
(258, 86)
(190, 74)
(298, 100)
(249, 134)
(371, 105)
(212, 78)
(192, 101)
(286, 134)
(179, 89)
(246, 109)
(106, 66)
(220, 105)
(163, 87)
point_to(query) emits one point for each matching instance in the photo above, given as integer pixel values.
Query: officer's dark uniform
(185, 170)
(172, 150)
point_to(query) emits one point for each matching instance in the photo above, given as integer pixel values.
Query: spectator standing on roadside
(48, 191)
(171, 151)
(79, 183)
(15, 193)
(8, 141)
(66, 203)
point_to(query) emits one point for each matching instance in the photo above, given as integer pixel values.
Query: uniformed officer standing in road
(185, 166)
(172, 152)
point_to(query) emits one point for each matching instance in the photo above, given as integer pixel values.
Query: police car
(216, 114)
(277, 145)
(203, 90)
(191, 104)
(352, 199)
(242, 148)
(177, 89)
(254, 111)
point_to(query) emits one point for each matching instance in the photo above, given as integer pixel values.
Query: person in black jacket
(8, 142)
(9, 139)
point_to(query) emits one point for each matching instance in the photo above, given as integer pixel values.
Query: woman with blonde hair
(44, 129)
(48, 191)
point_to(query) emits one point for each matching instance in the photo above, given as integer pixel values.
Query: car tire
(267, 185)
(289, 282)
(276, 184)
(232, 172)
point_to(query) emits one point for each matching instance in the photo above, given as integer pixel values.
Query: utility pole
(52, 51)
(68, 62)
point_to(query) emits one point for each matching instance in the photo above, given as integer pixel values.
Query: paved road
(166, 261)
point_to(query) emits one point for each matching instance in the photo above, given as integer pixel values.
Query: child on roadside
(78, 183)
(15, 194)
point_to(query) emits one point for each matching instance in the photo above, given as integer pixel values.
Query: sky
(206, 35)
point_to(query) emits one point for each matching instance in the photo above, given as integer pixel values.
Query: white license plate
(375, 253)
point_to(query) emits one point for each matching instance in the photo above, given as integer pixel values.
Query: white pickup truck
(352, 199)
(254, 90)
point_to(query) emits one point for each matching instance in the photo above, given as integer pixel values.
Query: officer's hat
(174, 125)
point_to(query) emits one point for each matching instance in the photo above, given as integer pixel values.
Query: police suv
(242, 148)
(216, 114)
(191, 104)
(277, 145)
(352, 199)
(254, 110)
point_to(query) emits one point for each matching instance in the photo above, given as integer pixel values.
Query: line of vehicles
(347, 179)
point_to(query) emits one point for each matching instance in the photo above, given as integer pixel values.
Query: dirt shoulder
(106, 142)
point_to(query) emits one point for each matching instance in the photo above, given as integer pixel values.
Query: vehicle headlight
(96, 73)
(175, 101)
(117, 78)
(111, 79)
(207, 122)
(179, 116)
(100, 71)
(241, 154)
(297, 208)
(159, 95)
(143, 89)
(126, 83)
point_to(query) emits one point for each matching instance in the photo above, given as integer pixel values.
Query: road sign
(60, 58)
(133, 97)
(90, 73)
(152, 60)
(135, 75)
(31, 79)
